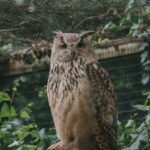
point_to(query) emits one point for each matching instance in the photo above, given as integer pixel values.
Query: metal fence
(125, 74)
(125, 71)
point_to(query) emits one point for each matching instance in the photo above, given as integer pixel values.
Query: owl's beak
(72, 50)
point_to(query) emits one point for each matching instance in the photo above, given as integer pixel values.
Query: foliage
(145, 60)
(32, 20)
(18, 131)
(135, 135)
(133, 23)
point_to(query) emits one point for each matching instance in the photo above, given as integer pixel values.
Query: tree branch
(9, 30)
(110, 12)
(23, 39)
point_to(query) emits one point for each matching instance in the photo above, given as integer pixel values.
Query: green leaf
(32, 126)
(145, 78)
(144, 55)
(12, 111)
(4, 97)
(147, 119)
(41, 145)
(130, 123)
(42, 134)
(110, 26)
(23, 79)
(25, 115)
(53, 138)
(23, 135)
(146, 63)
(143, 47)
(16, 123)
(15, 143)
(125, 20)
(142, 107)
(35, 134)
(30, 104)
(2, 134)
(20, 148)
(140, 20)
(136, 144)
(14, 89)
(5, 111)
(130, 5)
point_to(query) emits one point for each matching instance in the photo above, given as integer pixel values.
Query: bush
(135, 135)
(18, 131)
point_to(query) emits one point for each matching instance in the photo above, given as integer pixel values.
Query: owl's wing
(104, 99)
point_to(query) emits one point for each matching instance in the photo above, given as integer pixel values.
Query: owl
(81, 96)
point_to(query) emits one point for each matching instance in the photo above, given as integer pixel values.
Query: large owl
(81, 96)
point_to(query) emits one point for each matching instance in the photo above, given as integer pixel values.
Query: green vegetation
(23, 104)
(18, 130)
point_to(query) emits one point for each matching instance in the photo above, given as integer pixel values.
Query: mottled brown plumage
(81, 96)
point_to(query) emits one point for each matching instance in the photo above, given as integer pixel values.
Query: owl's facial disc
(72, 40)
(69, 42)
(70, 45)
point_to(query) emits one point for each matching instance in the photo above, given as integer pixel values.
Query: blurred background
(121, 41)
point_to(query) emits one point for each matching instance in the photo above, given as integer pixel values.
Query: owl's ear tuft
(57, 34)
(87, 35)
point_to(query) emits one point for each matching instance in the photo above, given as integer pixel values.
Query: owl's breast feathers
(66, 79)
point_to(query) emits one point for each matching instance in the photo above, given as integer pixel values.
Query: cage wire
(41, 17)
(129, 90)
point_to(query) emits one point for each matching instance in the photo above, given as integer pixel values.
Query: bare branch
(9, 30)
(110, 12)
(22, 39)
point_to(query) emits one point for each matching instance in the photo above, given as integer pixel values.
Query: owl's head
(68, 46)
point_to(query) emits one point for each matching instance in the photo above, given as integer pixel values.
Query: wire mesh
(126, 77)
(125, 74)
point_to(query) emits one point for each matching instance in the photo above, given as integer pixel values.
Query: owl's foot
(57, 146)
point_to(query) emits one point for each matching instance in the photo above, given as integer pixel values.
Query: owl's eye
(63, 45)
(81, 44)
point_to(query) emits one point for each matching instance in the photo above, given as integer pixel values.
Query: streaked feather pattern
(81, 97)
